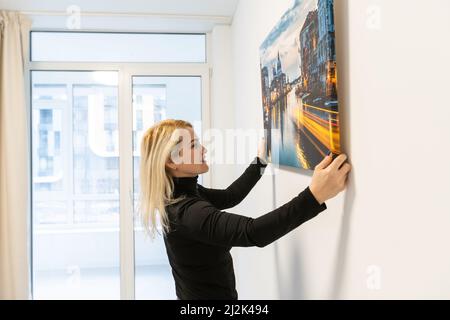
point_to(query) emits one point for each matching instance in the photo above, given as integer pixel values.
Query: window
(118, 47)
(75, 190)
(85, 183)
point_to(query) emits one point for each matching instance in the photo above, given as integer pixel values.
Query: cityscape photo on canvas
(299, 86)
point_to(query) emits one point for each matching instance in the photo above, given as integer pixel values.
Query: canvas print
(299, 86)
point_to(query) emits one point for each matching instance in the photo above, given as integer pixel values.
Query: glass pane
(75, 185)
(155, 99)
(118, 47)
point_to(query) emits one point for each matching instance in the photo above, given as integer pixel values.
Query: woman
(198, 234)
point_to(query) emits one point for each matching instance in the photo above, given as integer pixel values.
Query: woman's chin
(199, 168)
(206, 167)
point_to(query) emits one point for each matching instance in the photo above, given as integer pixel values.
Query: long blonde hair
(156, 184)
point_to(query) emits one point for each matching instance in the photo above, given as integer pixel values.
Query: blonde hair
(157, 144)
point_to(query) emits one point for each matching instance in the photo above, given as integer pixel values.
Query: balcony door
(87, 123)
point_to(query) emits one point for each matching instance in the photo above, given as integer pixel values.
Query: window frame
(126, 72)
(206, 48)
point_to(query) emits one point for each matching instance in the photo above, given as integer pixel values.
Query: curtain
(14, 157)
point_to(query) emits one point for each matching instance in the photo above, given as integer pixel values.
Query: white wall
(222, 109)
(393, 219)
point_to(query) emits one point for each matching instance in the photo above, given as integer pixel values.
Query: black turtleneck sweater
(202, 234)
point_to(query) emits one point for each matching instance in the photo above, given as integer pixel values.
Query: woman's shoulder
(182, 203)
(185, 212)
(186, 205)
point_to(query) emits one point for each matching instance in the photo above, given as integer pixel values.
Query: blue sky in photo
(284, 38)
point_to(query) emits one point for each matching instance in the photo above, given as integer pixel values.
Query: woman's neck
(185, 185)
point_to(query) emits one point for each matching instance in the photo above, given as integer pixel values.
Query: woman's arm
(202, 221)
(238, 190)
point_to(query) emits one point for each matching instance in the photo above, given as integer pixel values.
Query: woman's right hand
(328, 179)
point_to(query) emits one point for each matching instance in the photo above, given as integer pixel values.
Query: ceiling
(178, 7)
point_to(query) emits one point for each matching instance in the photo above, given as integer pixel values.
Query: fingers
(345, 168)
(262, 148)
(343, 173)
(325, 162)
(344, 181)
(338, 161)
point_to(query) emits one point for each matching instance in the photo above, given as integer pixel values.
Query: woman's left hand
(262, 154)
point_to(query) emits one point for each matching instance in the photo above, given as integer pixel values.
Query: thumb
(262, 147)
(325, 162)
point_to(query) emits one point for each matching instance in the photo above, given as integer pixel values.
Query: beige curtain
(14, 155)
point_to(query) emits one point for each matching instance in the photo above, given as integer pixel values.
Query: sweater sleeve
(238, 190)
(203, 222)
